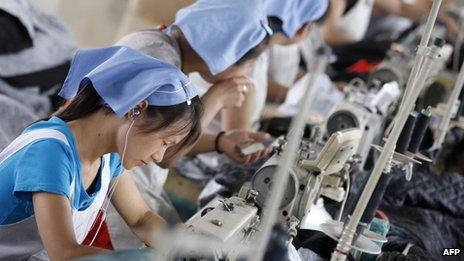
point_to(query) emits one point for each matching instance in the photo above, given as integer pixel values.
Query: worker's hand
(227, 144)
(231, 92)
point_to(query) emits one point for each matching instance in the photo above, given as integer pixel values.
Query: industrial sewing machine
(366, 110)
(319, 169)
(370, 106)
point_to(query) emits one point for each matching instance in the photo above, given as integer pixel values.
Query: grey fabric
(154, 43)
(15, 117)
(20, 244)
(52, 46)
(38, 104)
(4, 140)
(308, 255)
(52, 42)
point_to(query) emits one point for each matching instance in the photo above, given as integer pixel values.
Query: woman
(126, 109)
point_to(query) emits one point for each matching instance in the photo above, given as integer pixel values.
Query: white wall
(93, 23)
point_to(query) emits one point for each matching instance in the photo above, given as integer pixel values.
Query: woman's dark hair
(175, 119)
(275, 24)
(254, 52)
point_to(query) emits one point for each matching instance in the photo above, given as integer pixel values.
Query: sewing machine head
(315, 161)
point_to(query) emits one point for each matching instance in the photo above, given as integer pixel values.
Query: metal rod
(443, 127)
(412, 92)
(425, 39)
(295, 134)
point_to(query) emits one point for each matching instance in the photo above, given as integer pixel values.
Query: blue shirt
(46, 165)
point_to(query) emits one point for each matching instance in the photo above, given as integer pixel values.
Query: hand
(231, 92)
(227, 144)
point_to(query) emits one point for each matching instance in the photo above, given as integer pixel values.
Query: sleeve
(115, 165)
(45, 166)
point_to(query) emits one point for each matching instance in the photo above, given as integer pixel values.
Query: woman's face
(143, 148)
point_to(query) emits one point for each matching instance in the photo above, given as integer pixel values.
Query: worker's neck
(191, 61)
(95, 136)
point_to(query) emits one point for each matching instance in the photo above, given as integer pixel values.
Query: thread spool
(376, 199)
(420, 128)
(406, 133)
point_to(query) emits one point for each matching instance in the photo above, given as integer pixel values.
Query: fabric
(45, 165)
(355, 22)
(295, 14)
(33, 101)
(154, 43)
(308, 255)
(48, 42)
(284, 63)
(222, 32)
(14, 36)
(259, 76)
(99, 235)
(430, 204)
(15, 117)
(52, 42)
(124, 77)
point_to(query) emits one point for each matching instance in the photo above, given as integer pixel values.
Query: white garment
(355, 22)
(284, 63)
(323, 97)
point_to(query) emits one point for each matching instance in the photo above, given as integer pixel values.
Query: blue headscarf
(223, 31)
(295, 13)
(124, 77)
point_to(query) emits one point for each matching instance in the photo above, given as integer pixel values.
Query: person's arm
(212, 106)
(332, 35)
(414, 10)
(239, 118)
(227, 144)
(417, 10)
(145, 224)
(54, 221)
(276, 92)
(226, 94)
(204, 144)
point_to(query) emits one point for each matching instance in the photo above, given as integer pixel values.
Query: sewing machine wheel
(341, 120)
(262, 182)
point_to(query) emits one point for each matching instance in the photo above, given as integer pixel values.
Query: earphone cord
(107, 200)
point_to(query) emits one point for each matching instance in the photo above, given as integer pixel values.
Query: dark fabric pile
(427, 211)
